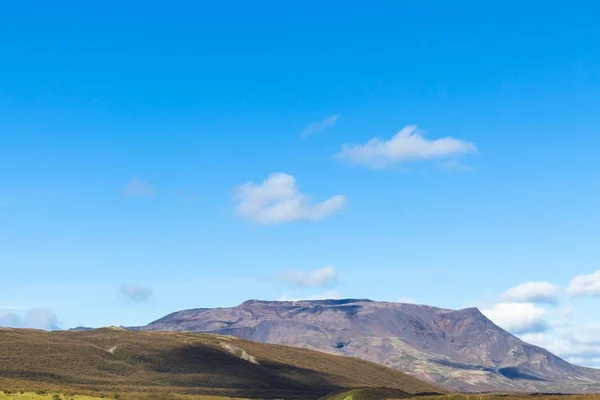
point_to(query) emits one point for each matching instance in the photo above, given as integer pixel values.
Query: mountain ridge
(456, 349)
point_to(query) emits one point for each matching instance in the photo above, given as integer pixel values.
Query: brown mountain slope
(457, 349)
(113, 359)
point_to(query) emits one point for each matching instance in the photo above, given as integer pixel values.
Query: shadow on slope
(185, 363)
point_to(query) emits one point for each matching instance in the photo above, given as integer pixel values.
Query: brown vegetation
(171, 365)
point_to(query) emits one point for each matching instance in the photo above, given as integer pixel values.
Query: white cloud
(518, 317)
(406, 300)
(278, 199)
(556, 329)
(136, 293)
(36, 318)
(320, 126)
(585, 285)
(139, 188)
(328, 295)
(591, 362)
(318, 278)
(580, 345)
(409, 144)
(531, 292)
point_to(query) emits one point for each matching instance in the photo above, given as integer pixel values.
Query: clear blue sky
(127, 130)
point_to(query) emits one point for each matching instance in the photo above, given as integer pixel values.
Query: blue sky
(156, 157)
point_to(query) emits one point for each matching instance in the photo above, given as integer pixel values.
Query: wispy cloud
(320, 126)
(139, 188)
(278, 199)
(585, 285)
(532, 292)
(409, 144)
(36, 318)
(136, 293)
(316, 278)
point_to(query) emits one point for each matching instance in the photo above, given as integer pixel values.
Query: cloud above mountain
(406, 300)
(531, 292)
(409, 144)
(536, 312)
(279, 199)
(518, 318)
(579, 345)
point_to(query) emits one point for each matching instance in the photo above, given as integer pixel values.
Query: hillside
(369, 394)
(116, 360)
(456, 349)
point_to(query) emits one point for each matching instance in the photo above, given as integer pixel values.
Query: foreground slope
(113, 359)
(457, 349)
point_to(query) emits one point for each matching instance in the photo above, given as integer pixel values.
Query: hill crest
(116, 360)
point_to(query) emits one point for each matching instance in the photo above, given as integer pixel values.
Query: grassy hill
(369, 394)
(171, 364)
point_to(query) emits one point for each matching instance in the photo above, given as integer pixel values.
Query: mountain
(456, 349)
(142, 365)
(81, 328)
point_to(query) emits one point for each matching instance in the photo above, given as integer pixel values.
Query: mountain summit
(456, 349)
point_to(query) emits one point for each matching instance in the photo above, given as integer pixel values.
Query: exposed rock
(239, 352)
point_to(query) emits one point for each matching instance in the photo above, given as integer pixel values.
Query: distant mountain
(456, 349)
(81, 328)
(158, 365)
(86, 328)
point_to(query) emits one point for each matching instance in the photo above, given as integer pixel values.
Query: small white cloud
(278, 199)
(585, 285)
(35, 318)
(139, 188)
(136, 293)
(320, 126)
(531, 292)
(405, 300)
(518, 318)
(328, 295)
(409, 144)
(318, 278)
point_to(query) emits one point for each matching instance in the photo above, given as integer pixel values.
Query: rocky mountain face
(456, 349)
